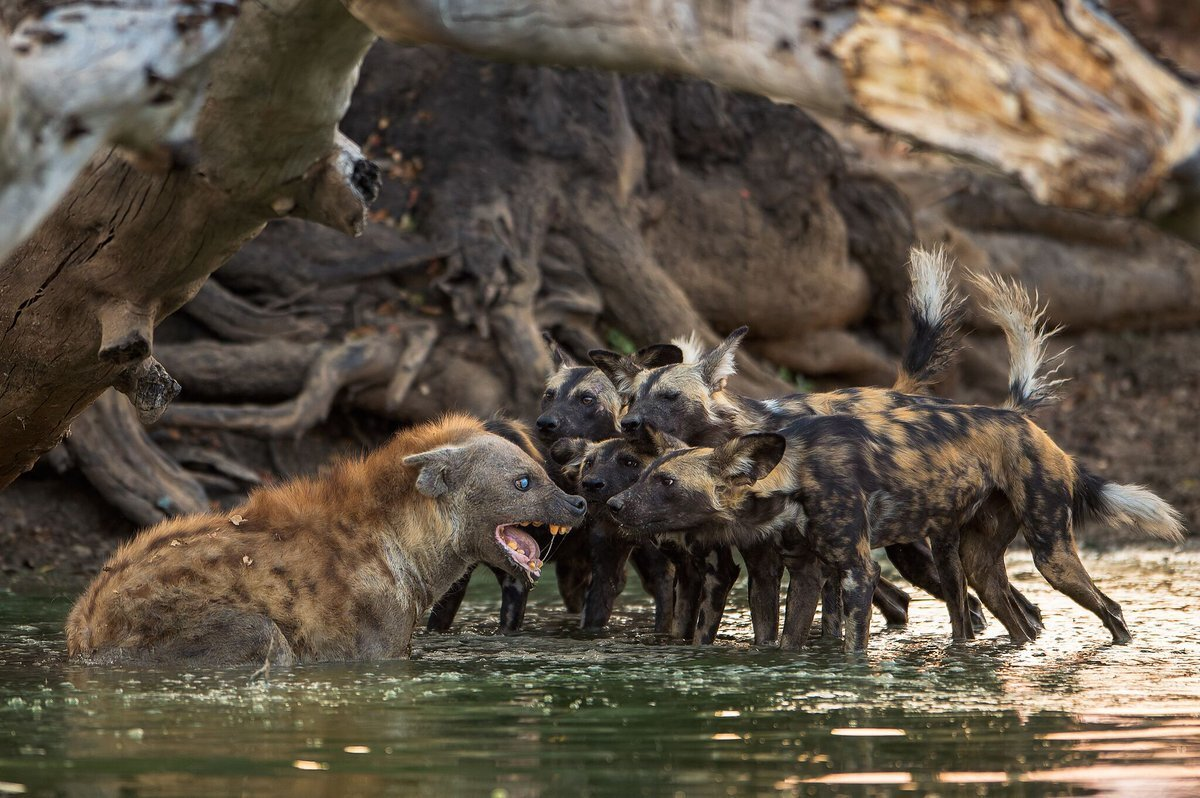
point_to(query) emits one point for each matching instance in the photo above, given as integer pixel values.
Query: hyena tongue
(526, 549)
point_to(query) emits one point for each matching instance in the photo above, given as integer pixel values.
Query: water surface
(556, 712)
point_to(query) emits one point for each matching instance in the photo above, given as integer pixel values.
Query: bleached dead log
(129, 72)
(126, 247)
(1053, 91)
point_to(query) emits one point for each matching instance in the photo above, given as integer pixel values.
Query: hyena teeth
(512, 544)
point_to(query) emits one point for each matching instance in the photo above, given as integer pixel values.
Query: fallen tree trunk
(1051, 90)
(145, 67)
(1054, 92)
(126, 247)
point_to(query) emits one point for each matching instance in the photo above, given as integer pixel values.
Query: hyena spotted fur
(334, 567)
(687, 398)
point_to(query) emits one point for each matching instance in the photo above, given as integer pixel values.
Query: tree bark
(1054, 91)
(126, 247)
(145, 65)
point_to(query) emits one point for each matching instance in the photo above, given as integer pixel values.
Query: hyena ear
(567, 449)
(619, 369)
(435, 466)
(719, 364)
(745, 460)
(562, 358)
(655, 355)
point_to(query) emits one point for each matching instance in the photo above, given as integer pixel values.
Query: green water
(554, 712)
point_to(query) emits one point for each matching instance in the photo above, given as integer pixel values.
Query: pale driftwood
(126, 247)
(128, 72)
(1053, 91)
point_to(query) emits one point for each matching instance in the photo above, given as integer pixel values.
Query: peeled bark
(145, 66)
(127, 247)
(1053, 91)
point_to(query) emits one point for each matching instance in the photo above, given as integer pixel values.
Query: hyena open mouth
(520, 547)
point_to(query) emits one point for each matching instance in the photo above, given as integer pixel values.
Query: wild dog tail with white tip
(936, 311)
(1131, 506)
(1030, 383)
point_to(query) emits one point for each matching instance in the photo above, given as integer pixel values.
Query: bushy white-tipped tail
(1139, 508)
(1030, 383)
(935, 310)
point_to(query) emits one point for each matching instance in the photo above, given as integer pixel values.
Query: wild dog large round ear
(747, 459)
(656, 355)
(567, 449)
(720, 364)
(436, 469)
(661, 442)
(562, 358)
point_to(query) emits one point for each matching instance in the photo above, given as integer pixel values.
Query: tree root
(112, 449)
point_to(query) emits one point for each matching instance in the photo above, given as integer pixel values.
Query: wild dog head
(675, 392)
(601, 470)
(579, 401)
(689, 488)
(489, 489)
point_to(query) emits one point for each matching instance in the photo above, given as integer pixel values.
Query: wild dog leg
(858, 579)
(832, 609)
(658, 579)
(720, 572)
(441, 617)
(689, 577)
(1054, 554)
(892, 601)
(805, 578)
(915, 563)
(954, 584)
(514, 596)
(609, 553)
(573, 571)
(985, 538)
(764, 570)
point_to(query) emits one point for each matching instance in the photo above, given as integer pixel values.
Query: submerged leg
(915, 563)
(658, 579)
(720, 572)
(609, 553)
(764, 569)
(441, 617)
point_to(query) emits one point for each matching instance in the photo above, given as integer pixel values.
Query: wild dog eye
(549, 394)
(666, 481)
(588, 462)
(629, 462)
(670, 396)
(587, 399)
(522, 483)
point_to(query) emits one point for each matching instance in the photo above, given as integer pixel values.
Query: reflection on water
(554, 711)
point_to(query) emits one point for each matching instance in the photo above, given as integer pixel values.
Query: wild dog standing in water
(858, 482)
(334, 567)
(579, 402)
(686, 398)
(601, 470)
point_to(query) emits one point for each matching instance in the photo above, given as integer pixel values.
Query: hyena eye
(522, 483)
(587, 399)
(670, 396)
(666, 481)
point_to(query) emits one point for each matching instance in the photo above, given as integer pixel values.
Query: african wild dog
(600, 470)
(686, 398)
(338, 566)
(579, 401)
(858, 482)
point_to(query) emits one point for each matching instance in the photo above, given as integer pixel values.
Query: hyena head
(487, 489)
(678, 398)
(601, 470)
(686, 489)
(579, 401)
